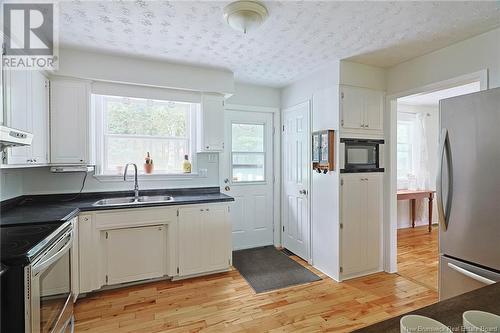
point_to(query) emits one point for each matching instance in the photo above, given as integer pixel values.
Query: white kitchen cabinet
(75, 261)
(27, 109)
(362, 111)
(40, 116)
(204, 239)
(89, 255)
(70, 122)
(134, 254)
(361, 219)
(211, 123)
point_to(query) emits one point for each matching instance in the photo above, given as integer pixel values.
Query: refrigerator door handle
(444, 147)
(467, 273)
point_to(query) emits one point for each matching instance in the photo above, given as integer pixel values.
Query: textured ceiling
(297, 38)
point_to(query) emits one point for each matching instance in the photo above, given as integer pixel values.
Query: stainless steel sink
(133, 201)
(155, 198)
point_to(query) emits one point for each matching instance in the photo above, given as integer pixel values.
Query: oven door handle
(37, 268)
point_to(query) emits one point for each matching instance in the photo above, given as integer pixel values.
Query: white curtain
(421, 167)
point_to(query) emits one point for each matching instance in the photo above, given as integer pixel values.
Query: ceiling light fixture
(245, 15)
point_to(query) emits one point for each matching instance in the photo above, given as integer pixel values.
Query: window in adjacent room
(404, 149)
(128, 128)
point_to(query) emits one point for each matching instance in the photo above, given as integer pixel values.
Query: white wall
(41, 180)
(302, 90)
(432, 128)
(363, 76)
(131, 70)
(322, 90)
(468, 56)
(254, 95)
(11, 183)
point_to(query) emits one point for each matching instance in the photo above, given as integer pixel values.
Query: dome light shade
(245, 15)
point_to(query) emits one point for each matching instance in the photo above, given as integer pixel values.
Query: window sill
(150, 177)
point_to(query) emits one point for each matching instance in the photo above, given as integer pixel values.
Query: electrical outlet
(203, 172)
(212, 158)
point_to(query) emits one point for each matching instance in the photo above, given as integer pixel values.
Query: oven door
(50, 297)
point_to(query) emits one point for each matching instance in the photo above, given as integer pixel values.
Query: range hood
(11, 137)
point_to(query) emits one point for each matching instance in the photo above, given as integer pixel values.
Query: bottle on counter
(186, 165)
(148, 164)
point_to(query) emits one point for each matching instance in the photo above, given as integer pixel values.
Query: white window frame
(264, 152)
(100, 137)
(408, 119)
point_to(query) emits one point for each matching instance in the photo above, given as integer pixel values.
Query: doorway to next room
(418, 131)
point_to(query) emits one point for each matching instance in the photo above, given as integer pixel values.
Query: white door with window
(296, 169)
(248, 176)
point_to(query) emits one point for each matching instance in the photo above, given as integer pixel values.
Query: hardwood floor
(226, 303)
(418, 255)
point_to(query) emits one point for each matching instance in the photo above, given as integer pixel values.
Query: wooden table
(413, 196)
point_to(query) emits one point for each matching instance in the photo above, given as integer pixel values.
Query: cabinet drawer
(134, 217)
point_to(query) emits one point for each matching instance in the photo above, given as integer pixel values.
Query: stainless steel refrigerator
(468, 192)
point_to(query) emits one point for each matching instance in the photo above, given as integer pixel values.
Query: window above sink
(128, 127)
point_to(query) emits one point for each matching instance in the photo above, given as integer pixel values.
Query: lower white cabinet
(129, 245)
(361, 223)
(134, 254)
(204, 239)
(75, 269)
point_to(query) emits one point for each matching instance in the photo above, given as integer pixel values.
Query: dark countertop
(37, 209)
(448, 312)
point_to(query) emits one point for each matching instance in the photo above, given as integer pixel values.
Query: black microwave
(361, 155)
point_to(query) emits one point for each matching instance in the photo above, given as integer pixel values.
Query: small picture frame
(316, 148)
(323, 148)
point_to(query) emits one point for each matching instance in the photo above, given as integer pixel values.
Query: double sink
(133, 200)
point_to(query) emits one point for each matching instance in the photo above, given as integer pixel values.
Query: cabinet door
(75, 261)
(353, 225)
(217, 238)
(374, 106)
(69, 121)
(18, 85)
(135, 254)
(191, 241)
(352, 104)
(372, 226)
(40, 116)
(212, 123)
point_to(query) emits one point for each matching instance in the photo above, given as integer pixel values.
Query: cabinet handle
(207, 209)
(201, 210)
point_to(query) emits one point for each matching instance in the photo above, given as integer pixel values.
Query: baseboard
(177, 278)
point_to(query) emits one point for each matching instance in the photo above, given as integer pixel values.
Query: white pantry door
(248, 177)
(296, 169)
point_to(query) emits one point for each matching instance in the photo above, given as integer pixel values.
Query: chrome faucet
(136, 185)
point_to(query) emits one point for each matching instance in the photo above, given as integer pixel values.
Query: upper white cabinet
(27, 109)
(211, 123)
(362, 111)
(70, 122)
(204, 239)
(361, 219)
